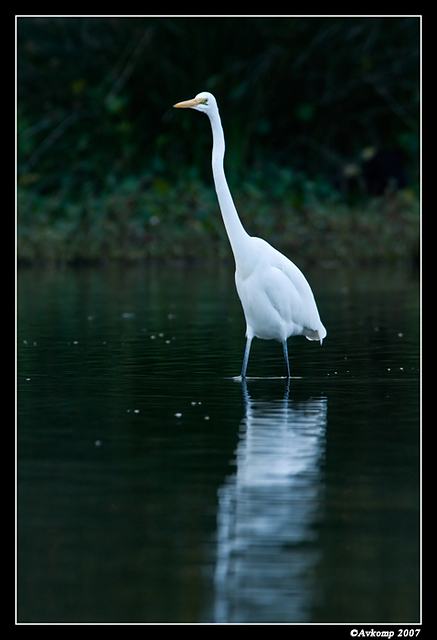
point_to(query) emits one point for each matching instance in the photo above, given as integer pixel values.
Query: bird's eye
(204, 101)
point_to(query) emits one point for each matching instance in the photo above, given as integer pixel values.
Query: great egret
(276, 297)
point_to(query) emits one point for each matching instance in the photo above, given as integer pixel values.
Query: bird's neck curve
(238, 237)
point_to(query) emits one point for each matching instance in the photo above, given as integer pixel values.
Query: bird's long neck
(237, 235)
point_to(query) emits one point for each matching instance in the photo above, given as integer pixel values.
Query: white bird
(276, 297)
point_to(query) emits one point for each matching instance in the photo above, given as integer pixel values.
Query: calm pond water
(153, 487)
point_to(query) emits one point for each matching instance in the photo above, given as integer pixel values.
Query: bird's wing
(302, 305)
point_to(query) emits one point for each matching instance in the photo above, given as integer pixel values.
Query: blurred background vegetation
(321, 119)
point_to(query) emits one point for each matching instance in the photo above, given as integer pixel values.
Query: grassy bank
(151, 219)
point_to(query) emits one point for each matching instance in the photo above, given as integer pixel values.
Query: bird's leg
(284, 344)
(246, 357)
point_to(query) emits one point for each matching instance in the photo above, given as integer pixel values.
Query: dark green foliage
(106, 169)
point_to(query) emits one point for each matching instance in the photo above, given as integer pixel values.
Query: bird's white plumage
(276, 297)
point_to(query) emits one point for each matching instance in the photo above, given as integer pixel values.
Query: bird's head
(204, 102)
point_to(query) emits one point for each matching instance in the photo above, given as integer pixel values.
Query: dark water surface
(152, 487)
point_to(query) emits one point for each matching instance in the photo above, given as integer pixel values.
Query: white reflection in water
(266, 547)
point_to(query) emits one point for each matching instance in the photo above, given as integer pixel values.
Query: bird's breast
(269, 301)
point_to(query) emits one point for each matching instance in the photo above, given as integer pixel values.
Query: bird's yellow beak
(188, 104)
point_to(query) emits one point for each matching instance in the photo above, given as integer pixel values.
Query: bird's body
(276, 297)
